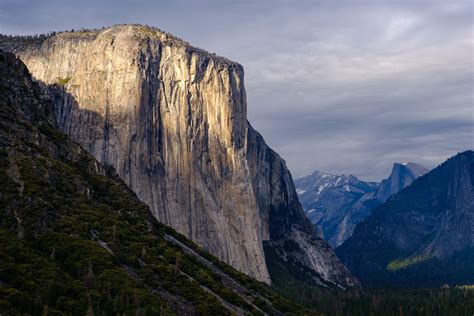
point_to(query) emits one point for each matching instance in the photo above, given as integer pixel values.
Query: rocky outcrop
(172, 120)
(423, 235)
(336, 204)
(402, 175)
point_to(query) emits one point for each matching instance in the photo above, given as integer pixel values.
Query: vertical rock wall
(172, 119)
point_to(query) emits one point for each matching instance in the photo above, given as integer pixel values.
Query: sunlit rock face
(172, 120)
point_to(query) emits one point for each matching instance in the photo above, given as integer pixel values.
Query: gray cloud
(339, 86)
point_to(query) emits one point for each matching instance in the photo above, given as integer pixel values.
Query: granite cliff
(402, 175)
(74, 239)
(172, 120)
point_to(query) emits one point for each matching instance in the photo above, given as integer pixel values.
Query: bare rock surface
(172, 120)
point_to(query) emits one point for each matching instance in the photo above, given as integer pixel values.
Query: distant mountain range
(423, 235)
(336, 204)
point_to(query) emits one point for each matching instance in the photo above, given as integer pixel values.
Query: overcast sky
(338, 86)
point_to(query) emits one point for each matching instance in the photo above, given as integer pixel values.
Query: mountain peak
(338, 203)
(416, 169)
(328, 200)
(424, 235)
(402, 175)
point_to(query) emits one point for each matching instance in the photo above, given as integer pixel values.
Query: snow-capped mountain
(336, 204)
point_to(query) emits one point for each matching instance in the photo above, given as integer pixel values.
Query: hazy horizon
(341, 88)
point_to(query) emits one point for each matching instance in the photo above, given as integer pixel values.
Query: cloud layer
(338, 86)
